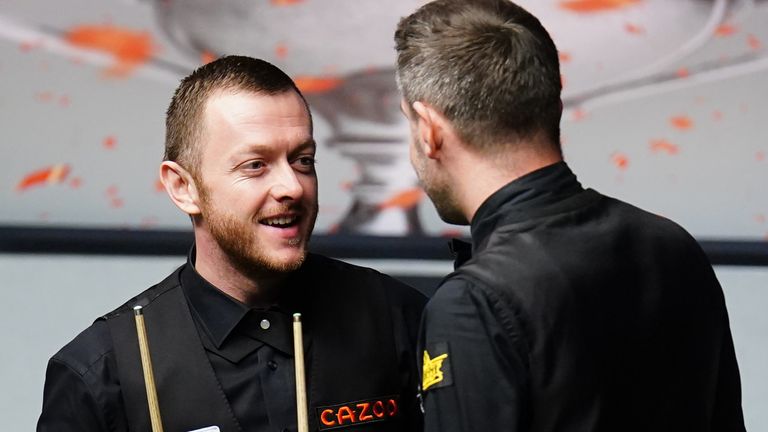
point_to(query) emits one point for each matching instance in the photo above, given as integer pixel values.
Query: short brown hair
(184, 118)
(488, 65)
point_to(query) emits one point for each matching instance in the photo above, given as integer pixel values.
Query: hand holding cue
(146, 365)
(301, 388)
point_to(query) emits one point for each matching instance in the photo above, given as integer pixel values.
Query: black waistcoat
(354, 326)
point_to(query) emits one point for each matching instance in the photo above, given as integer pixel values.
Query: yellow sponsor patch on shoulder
(437, 367)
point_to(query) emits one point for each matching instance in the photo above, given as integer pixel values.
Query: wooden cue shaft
(146, 365)
(301, 386)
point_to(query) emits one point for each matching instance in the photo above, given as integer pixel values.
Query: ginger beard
(237, 238)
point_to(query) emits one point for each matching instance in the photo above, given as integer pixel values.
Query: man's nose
(286, 184)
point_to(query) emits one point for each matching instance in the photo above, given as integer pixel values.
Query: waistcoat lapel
(189, 394)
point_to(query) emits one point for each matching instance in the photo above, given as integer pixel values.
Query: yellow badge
(433, 370)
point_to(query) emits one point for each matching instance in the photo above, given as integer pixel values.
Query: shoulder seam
(82, 379)
(86, 369)
(145, 298)
(505, 318)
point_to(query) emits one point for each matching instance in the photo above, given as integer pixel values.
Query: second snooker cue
(146, 365)
(301, 386)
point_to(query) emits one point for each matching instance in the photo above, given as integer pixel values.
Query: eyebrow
(264, 149)
(267, 148)
(310, 143)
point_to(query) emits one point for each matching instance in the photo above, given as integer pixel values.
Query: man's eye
(307, 160)
(255, 165)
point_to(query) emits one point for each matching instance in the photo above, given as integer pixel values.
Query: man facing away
(240, 160)
(575, 311)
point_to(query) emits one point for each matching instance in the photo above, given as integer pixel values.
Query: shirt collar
(226, 319)
(535, 190)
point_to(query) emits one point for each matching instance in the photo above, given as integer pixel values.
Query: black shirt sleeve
(82, 390)
(68, 404)
(474, 362)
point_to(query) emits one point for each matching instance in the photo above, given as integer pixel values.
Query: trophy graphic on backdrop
(360, 99)
(340, 53)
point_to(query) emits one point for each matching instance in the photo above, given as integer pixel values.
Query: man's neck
(255, 289)
(482, 176)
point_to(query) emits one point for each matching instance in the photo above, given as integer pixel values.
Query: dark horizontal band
(21, 239)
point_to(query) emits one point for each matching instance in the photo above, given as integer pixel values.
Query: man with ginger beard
(240, 161)
(570, 310)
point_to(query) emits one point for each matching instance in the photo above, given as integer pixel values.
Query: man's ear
(181, 187)
(430, 125)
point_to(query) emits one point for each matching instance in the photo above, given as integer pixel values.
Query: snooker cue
(301, 387)
(146, 365)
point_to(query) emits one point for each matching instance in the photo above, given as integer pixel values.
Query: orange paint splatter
(286, 2)
(76, 183)
(754, 42)
(109, 142)
(281, 51)
(717, 115)
(683, 72)
(662, 145)
(64, 101)
(28, 46)
(760, 218)
(44, 96)
(760, 156)
(129, 47)
(634, 29)
(405, 199)
(314, 85)
(681, 122)
(565, 57)
(620, 160)
(592, 6)
(46, 176)
(346, 186)
(207, 57)
(725, 30)
(148, 222)
(112, 191)
(562, 80)
(579, 114)
(116, 203)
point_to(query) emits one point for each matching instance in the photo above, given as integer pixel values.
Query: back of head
(184, 118)
(489, 66)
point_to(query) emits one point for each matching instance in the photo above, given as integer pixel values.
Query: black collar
(233, 328)
(522, 198)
